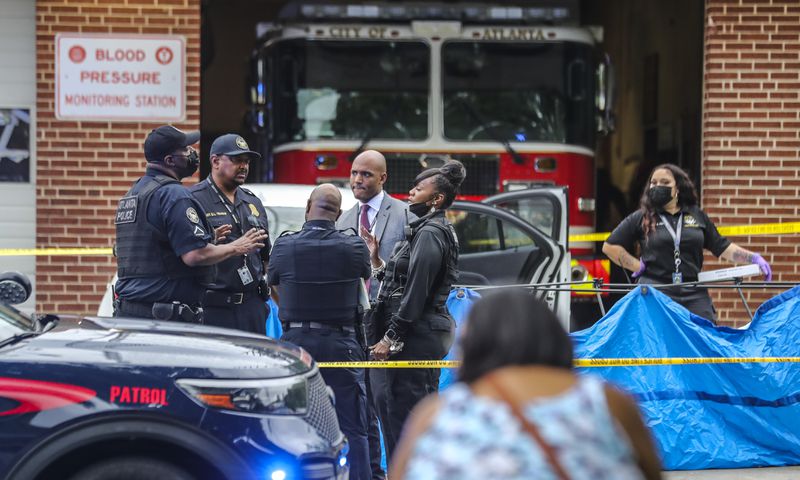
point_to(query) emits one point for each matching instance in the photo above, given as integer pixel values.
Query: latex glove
(641, 270)
(763, 265)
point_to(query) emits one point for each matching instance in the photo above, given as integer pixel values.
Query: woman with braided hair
(411, 317)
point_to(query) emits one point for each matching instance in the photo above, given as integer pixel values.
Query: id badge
(677, 277)
(245, 275)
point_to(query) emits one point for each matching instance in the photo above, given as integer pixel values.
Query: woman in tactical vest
(411, 318)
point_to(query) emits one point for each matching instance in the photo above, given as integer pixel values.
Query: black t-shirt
(699, 233)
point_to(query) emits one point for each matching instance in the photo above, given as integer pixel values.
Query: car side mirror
(15, 288)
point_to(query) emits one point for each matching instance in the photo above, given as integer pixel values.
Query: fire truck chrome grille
(482, 171)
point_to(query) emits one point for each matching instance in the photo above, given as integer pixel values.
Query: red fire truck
(516, 93)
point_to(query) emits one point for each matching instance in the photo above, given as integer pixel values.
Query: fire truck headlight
(579, 273)
(586, 204)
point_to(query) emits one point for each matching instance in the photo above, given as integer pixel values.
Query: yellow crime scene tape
(579, 362)
(732, 231)
(735, 230)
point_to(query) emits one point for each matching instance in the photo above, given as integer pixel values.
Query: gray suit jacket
(388, 228)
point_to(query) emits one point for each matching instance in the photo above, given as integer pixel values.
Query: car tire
(132, 468)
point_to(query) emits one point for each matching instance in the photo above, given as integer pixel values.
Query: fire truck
(518, 94)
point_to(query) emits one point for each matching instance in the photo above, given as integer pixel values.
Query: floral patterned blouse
(475, 437)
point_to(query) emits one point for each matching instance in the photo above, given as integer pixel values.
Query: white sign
(120, 77)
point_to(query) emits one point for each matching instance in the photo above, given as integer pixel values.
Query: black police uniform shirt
(174, 211)
(699, 233)
(245, 213)
(318, 253)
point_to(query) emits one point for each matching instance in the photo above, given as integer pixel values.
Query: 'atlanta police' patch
(126, 210)
(191, 214)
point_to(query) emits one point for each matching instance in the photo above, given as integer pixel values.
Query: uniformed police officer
(164, 252)
(237, 297)
(318, 274)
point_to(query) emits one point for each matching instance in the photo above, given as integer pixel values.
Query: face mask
(419, 209)
(659, 195)
(191, 165)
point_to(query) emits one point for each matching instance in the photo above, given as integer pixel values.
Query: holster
(375, 322)
(177, 311)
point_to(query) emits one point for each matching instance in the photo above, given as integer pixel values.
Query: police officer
(237, 297)
(413, 294)
(164, 248)
(318, 273)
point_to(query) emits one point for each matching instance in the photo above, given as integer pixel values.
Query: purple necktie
(365, 216)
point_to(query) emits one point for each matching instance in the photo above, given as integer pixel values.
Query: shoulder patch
(191, 214)
(253, 209)
(198, 231)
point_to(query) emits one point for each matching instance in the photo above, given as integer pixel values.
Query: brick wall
(83, 168)
(751, 132)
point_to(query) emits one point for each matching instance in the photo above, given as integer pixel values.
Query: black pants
(376, 408)
(250, 316)
(405, 387)
(347, 384)
(696, 300)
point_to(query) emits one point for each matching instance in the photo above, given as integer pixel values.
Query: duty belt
(322, 326)
(215, 298)
(175, 311)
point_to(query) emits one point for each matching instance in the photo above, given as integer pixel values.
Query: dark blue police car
(101, 398)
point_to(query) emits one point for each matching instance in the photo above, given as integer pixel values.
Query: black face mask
(419, 209)
(659, 195)
(190, 166)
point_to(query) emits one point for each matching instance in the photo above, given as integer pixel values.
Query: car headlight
(280, 396)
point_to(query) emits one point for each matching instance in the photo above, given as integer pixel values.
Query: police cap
(232, 145)
(164, 140)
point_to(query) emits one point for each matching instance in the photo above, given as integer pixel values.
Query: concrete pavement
(773, 473)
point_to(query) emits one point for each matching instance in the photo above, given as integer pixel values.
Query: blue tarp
(712, 415)
(458, 304)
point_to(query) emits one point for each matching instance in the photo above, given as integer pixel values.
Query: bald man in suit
(385, 217)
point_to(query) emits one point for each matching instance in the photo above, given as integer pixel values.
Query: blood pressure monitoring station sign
(120, 77)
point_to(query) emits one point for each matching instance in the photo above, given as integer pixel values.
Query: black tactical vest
(448, 275)
(307, 297)
(141, 249)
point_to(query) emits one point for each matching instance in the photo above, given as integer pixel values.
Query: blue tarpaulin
(458, 304)
(706, 415)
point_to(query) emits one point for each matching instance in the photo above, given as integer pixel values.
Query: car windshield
(282, 219)
(526, 92)
(350, 90)
(13, 322)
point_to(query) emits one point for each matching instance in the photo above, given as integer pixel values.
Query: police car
(101, 398)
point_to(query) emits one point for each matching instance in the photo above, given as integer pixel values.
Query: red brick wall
(751, 132)
(83, 168)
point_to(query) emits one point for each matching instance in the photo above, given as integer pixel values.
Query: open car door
(546, 209)
(498, 247)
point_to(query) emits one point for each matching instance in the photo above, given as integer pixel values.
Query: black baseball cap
(166, 139)
(232, 145)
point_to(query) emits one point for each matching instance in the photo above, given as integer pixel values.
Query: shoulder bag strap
(529, 427)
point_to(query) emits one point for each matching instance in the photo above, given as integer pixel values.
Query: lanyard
(227, 205)
(676, 238)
